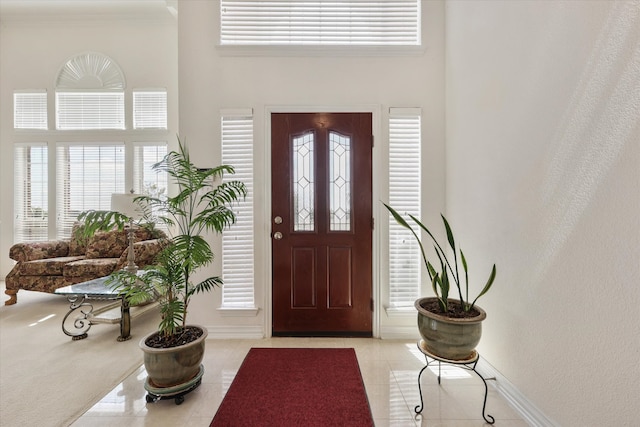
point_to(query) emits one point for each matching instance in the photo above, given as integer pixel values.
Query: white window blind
(146, 180)
(86, 176)
(30, 203)
(306, 22)
(90, 110)
(30, 110)
(150, 109)
(237, 241)
(404, 196)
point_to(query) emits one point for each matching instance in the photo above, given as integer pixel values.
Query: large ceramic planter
(170, 367)
(446, 337)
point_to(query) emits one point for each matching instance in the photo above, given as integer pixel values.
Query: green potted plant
(201, 204)
(450, 328)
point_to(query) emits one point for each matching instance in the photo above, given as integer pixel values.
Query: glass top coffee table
(79, 296)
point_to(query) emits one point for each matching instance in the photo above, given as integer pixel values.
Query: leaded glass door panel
(321, 223)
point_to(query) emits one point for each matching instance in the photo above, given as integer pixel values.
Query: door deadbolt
(277, 220)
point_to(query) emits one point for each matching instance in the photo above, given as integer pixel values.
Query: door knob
(277, 235)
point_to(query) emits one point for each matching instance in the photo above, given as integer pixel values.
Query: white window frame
(90, 110)
(405, 262)
(146, 180)
(150, 109)
(238, 242)
(28, 227)
(306, 14)
(30, 110)
(107, 179)
(91, 75)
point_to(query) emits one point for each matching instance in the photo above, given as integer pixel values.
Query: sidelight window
(238, 240)
(404, 196)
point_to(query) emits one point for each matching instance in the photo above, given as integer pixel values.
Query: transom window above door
(320, 23)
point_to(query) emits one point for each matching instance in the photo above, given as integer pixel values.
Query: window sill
(314, 50)
(238, 311)
(400, 311)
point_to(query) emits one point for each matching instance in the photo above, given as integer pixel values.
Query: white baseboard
(399, 333)
(235, 332)
(519, 402)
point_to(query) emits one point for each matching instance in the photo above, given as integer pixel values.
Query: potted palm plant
(450, 328)
(173, 353)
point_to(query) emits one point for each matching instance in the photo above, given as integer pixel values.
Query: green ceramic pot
(446, 337)
(169, 367)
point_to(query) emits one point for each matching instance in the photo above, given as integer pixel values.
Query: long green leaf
(439, 249)
(488, 285)
(466, 276)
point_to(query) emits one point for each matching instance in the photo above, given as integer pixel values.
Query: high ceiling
(70, 9)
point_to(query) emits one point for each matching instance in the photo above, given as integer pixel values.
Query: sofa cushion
(38, 250)
(96, 267)
(77, 244)
(46, 267)
(112, 244)
(107, 244)
(145, 253)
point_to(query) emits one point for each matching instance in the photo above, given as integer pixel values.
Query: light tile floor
(389, 369)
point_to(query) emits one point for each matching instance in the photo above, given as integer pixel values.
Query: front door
(321, 224)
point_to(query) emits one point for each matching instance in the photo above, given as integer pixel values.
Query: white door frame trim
(376, 116)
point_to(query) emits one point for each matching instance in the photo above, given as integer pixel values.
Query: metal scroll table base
(88, 317)
(82, 316)
(468, 364)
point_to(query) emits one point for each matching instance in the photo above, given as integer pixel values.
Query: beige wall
(542, 164)
(543, 178)
(32, 52)
(212, 79)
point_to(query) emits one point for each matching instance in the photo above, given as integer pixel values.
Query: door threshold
(323, 334)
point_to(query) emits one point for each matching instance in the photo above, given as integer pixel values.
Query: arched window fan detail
(90, 70)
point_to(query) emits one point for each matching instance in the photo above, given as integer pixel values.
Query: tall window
(320, 22)
(404, 196)
(31, 208)
(237, 241)
(86, 176)
(146, 180)
(89, 98)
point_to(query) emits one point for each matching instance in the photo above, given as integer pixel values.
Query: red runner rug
(296, 387)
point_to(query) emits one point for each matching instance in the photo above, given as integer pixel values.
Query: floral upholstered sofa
(47, 266)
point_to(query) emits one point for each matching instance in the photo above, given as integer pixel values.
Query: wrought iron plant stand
(468, 364)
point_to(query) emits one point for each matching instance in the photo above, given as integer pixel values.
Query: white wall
(542, 170)
(543, 178)
(211, 80)
(152, 52)
(33, 49)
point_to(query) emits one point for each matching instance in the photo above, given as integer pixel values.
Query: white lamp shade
(124, 203)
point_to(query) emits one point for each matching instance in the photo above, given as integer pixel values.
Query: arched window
(90, 93)
(96, 152)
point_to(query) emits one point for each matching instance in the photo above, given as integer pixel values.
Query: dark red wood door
(321, 223)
